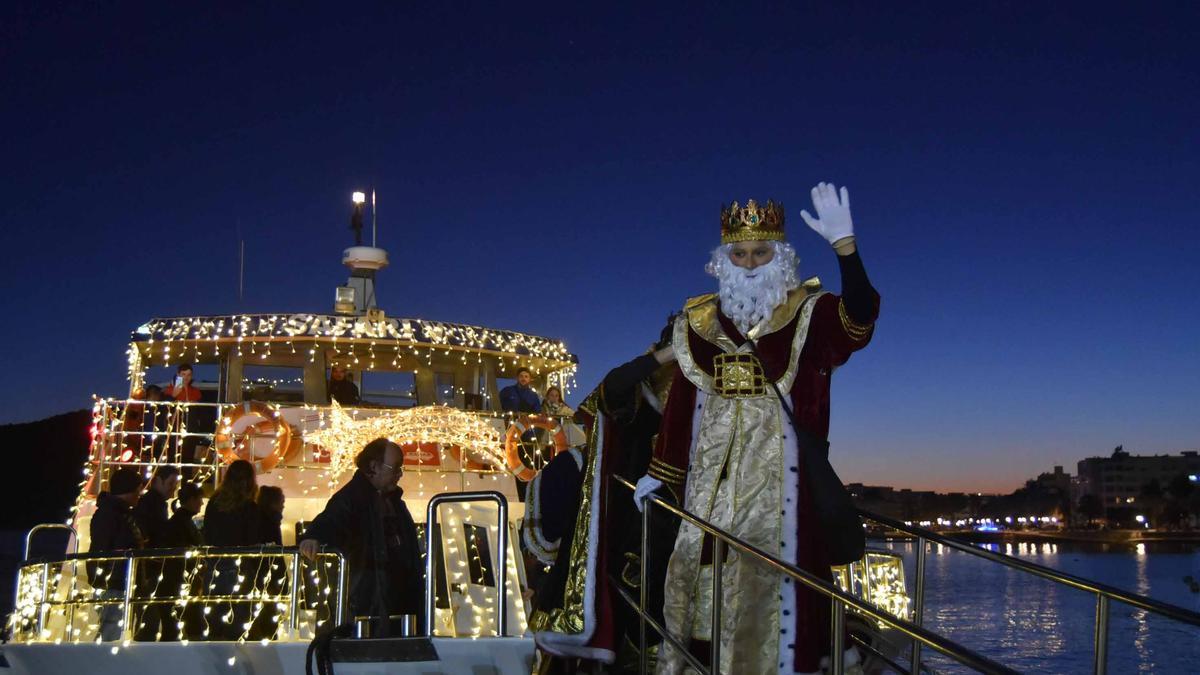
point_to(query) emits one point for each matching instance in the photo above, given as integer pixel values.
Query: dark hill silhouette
(43, 464)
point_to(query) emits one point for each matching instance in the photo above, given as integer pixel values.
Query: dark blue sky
(1023, 181)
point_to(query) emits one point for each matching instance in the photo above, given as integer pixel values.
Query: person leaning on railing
(113, 529)
(368, 521)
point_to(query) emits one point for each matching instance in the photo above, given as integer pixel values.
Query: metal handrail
(74, 540)
(501, 543)
(200, 552)
(1104, 592)
(839, 597)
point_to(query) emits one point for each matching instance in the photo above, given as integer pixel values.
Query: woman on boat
(231, 519)
(553, 403)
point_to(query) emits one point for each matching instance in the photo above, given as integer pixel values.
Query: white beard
(750, 296)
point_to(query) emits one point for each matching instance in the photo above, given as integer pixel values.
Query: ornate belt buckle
(738, 376)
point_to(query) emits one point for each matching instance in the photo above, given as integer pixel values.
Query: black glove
(664, 338)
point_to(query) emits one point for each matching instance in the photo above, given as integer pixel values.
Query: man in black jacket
(151, 510)
(114, 529)
(150, 514)
(368, 521)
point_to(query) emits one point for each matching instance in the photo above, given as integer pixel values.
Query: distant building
(1058, 480)
(1118, 480)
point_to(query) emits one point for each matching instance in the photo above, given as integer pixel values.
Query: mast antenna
(373, 216)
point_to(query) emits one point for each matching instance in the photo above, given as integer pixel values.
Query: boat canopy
(473, 357)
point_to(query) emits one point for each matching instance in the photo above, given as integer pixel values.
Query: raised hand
(833, 214)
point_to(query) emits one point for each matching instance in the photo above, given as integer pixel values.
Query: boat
(432, 386)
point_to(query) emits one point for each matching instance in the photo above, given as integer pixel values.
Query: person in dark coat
(151, 510)
(113, 528)
(341, 388)
(231, 519)
(181, 532)
(151, 517)
(520, 397)
(270, 515)
(271, 575)
(368, 521)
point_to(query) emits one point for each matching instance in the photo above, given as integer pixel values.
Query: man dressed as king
(727, 449)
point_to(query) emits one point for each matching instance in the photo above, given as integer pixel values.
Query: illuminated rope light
(344, 437)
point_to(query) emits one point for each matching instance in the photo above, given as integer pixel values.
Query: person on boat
(151, 516)
(271, 578)
(182, 389)
(114, 529)
(368, 520)
(271, 501)
(727, 449)
(341, 388)
(151, 509)
(553, 404)
(181, 532)
(573, 620)
(196, 420)
(520, 397)
(231, 520)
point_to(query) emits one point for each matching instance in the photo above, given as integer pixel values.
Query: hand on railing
(309, 549)
(646, 486)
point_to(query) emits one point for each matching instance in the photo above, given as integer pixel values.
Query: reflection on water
(1033, 624)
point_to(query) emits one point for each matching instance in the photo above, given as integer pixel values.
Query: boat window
(284, 384)
(444, 383)
(392, 389)
(479, 555)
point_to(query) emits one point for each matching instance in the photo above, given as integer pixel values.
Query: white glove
(833, 215)
(645, 487)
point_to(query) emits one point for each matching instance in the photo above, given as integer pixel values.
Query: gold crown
(751, 222)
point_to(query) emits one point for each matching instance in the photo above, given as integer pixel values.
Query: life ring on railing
(254, 432)
(512, 442)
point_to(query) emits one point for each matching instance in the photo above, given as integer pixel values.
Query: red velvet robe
(830, 342)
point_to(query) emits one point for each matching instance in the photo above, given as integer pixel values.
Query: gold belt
(738, 376)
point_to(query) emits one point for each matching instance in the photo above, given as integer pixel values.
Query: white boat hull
(482, 656)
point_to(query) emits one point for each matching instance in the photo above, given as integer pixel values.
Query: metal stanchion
(1100, 663)
(717, 593)
(918, 606)
(837, 628)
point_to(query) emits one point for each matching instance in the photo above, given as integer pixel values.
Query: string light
(344, 436)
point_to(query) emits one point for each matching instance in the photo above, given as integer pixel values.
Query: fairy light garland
(344, 436)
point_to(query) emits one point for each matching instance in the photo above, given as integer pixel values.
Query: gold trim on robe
(735, 480)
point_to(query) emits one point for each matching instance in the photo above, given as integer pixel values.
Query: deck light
(358, 197)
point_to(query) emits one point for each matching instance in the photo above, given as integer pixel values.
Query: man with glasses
(368, 521)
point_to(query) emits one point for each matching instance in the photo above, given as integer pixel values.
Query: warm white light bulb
(358, 197)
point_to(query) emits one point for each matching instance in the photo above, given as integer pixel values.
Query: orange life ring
(512, 442)
(235, 439)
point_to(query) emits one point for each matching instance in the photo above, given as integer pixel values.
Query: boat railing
(840, 601)
(269, 593)
(1104, 593)
(431, 523)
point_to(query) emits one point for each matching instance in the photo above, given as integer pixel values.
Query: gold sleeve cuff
(665, 472)
(857, 331)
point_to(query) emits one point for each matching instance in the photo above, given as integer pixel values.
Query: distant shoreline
(1130, 537)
